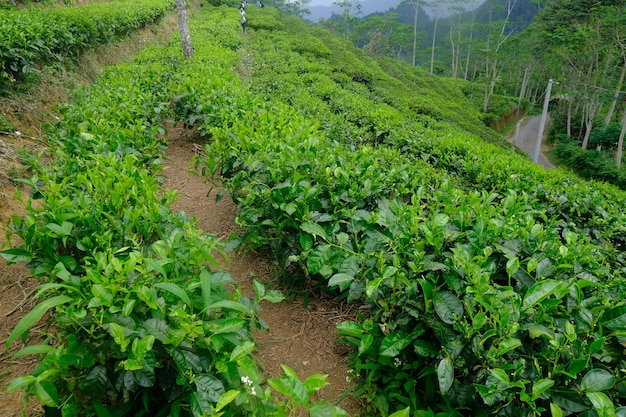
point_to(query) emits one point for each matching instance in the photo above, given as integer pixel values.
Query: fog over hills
(325, 8)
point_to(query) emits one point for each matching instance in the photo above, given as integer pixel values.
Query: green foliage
(144, 322)
(34, 37)
(490, 286)
(591, 164)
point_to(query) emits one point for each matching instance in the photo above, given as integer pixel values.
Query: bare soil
(302, 338)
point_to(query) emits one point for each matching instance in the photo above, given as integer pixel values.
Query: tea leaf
(614, 318)
(314, 229)
(350, 328)
(291, 388)
(402, 413)
(555, 410)
(259, 288)
(366, 341)
(317, 259)
(226, 398)
(16, 255)
(209, 387)
(601, 403)
(241, 350)
(597, 380)
(176, 290)
(315, 382)
(447, 306)
(46, 393)
(34, 315)
(32, 350)
(232, 305)
(343, 281)
(508, 344)
(325, 409)
(394, 343)
(445, 374)
(274, 296)
(306, 242)
(541, 386)
(539, 292)
(20, 382)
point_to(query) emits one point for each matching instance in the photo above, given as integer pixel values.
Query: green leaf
(306, 242)
(555, 410)
(614, 318)
(401, 413)
(205, 285)
(447, 306)
(597, 380)
(291, 388)
(366, 341)
(601, 403)
(32, 350)
(176, 290)
(209, 387)
(325, 409)
(539, 292)
(314, 229)
(394, 343)
(259, 288)
(317, 259)
(242, 350)
(508, 344)
(445, 374)
(441, 219)
(343, 281)
(34, 315)
(232, 305)
(20, 382)
(226, 398)
(315, 382)
(274, 296)
(350, 328)
(16, 255)
(541, 386)
(46, 393)
(544, 268)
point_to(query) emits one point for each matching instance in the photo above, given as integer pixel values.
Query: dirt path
(302, 338)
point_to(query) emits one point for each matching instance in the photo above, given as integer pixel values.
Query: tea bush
(144, 321)
(35, 37)
(490, 286)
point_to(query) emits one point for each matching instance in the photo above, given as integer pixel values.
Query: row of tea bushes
(479, 299)
(38, 36)
(143, 320)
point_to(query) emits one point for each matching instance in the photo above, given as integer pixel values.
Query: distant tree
(183, 27)
(294, 7)
(349, 12)
(415, 5)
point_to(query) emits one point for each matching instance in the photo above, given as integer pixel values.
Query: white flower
(397, 362)
(17, 132)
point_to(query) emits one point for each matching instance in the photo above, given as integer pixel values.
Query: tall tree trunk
(620, 142)
(618, 90)
(523, 88)
(590, 113)
(432, 49)
(416, 6)
(569, 116)
(183, 27)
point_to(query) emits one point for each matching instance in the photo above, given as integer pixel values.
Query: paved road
(527, 138)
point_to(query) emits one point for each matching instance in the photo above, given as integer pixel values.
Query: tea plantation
(487, 286)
